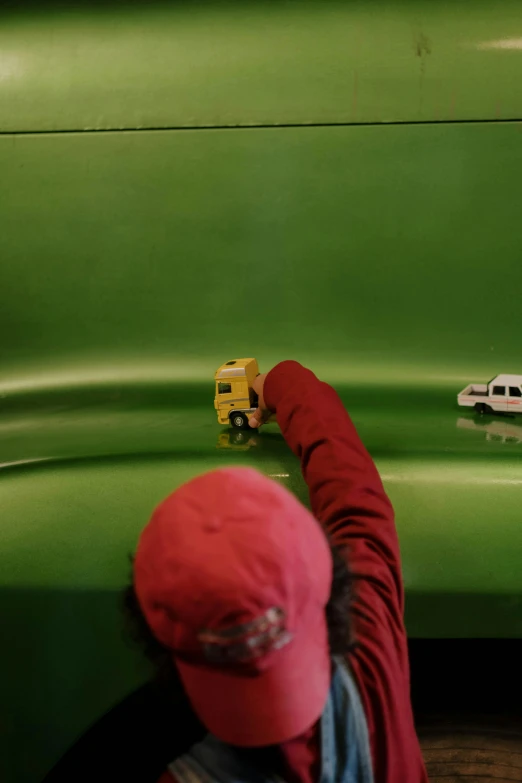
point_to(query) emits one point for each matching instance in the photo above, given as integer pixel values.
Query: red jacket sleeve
(348, 499)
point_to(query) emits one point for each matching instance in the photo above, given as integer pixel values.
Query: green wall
(134, 261)
(386, 247)
(179, 64)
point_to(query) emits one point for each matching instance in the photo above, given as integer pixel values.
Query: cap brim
(272, 707)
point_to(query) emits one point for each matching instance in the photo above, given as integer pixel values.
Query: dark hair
(337, 616)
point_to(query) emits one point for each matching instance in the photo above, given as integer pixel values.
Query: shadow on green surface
(454, 614)
(67, 663)
(443, 684)
(64, 663)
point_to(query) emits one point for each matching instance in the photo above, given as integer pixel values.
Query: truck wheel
(239, 420)
(480, 407)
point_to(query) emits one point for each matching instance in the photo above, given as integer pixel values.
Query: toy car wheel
(239, 420)
(480, 407)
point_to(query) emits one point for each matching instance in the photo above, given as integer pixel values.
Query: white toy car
(500, 395)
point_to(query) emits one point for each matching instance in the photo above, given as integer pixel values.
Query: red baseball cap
(233, 574)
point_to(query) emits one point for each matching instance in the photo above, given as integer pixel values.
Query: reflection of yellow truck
(235, 397)
(237, 440)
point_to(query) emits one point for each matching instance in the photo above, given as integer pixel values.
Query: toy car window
(514, 391)
(224, 388)
(499, 389)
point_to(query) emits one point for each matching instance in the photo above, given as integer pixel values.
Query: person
(285, 625)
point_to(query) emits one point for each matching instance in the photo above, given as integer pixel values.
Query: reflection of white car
(503, 431)
(503, 393)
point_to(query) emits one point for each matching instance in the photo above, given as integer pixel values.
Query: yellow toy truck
(235, 399)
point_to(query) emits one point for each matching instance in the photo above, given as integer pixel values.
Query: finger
(257, 419)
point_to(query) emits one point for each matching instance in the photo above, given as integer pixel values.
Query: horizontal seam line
(262, 126)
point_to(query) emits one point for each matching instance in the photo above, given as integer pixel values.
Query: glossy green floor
(95, 468)
(451, 475)
(80, 478)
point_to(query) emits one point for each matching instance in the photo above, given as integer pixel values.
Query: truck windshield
(224, 388)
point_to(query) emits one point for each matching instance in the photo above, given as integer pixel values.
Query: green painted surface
(196, 64)
(105, 471)
(382, 254)
(132, 264)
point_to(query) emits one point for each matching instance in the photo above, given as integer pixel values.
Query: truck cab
(235, 398)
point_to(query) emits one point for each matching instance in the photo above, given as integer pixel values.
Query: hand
(262, 414)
